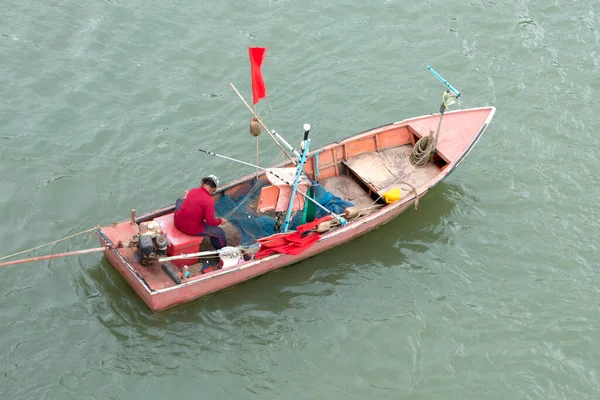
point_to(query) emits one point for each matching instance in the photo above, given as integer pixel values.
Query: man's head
(211, 181)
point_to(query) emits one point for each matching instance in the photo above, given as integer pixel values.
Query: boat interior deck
(389, 169)
(349, 189)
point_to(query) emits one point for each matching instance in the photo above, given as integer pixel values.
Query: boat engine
(152, 242)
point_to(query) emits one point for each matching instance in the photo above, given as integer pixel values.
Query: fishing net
(241, 211)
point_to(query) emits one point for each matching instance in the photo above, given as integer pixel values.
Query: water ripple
(488, 289)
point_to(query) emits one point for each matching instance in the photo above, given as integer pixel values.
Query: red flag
(257, 55)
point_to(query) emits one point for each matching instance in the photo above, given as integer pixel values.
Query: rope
(421, 151)
(373, 205)
(48, 244)
(414, 189)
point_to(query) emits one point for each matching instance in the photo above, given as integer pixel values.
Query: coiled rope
(422, 151)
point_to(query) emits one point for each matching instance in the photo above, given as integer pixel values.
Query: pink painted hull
(468, 133)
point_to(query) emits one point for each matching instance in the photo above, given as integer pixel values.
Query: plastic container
(392, 196)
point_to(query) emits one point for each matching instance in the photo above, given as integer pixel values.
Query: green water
(488, 291)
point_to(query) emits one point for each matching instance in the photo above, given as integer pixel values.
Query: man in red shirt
(195, 213)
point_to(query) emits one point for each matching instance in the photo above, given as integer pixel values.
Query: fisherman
(195, 213)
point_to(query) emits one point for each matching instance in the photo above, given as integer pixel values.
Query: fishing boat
(370, 177)
(281, 215)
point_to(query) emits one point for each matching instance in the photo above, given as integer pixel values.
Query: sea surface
(490, 290)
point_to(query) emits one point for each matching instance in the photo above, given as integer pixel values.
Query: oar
(340, 219)
(191, 255)
(253, 249)
(71, 253)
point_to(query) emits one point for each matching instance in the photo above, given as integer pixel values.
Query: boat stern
(121, 258)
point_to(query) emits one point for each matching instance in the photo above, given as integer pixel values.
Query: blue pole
(445, 82)
(297, 180)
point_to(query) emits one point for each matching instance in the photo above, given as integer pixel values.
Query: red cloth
(197, 207)
(292, 243)
(257, 55)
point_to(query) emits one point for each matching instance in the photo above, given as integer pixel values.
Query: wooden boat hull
(460, 132)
